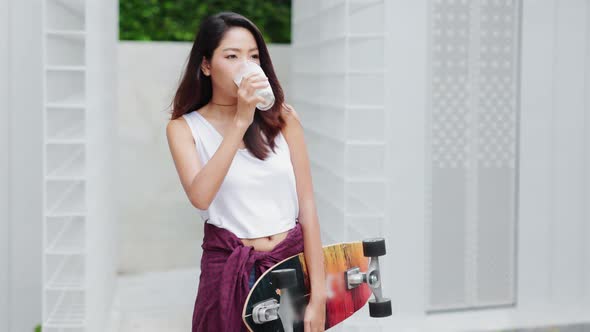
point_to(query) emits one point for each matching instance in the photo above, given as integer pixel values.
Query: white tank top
(257, 198)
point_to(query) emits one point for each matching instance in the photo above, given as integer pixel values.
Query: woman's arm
(201, 184)
(313, 250)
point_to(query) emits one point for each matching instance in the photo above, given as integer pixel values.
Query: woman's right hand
(248, 99)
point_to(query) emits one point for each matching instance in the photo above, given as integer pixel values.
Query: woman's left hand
(314, 319)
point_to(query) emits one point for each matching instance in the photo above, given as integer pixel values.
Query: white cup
(269, 97)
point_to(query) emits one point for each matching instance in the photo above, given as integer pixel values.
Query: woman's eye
(233, 55)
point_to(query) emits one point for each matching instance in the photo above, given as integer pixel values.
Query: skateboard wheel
(284, 278)
(374, 247)
(380, 309)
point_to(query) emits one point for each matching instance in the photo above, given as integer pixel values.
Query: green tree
(179, 20)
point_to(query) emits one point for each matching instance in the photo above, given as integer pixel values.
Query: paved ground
(163, 301)
(557, 328)
(151, 302)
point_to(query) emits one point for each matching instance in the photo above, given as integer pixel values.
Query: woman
(245, 170)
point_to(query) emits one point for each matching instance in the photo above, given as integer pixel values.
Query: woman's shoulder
(179, 127)
(292, 119)
(289, 114)
(293, 130)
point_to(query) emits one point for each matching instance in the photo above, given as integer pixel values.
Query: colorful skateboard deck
(341, 302)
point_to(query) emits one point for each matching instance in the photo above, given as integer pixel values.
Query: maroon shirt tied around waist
(225, 270)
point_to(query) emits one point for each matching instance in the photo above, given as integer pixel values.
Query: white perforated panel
(473, 130)
(496, 106)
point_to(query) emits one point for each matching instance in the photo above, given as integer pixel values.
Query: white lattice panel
(338, 89)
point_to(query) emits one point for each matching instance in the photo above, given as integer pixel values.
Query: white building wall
(29, 242)
(587, 152)
(102, 228)
(372, 157)
(554, 233)
(20, 170)
(337, 85)
(4, 167)
(338, 90)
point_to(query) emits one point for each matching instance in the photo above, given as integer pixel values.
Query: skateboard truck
(271, 309)
(265, 311)
(373, 248)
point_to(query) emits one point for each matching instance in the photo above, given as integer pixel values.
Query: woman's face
(237, 46)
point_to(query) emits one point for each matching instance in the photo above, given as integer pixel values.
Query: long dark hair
(195, 89)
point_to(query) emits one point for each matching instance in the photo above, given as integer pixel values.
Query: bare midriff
(266, 243)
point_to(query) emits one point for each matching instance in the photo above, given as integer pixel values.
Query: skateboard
(278, 298)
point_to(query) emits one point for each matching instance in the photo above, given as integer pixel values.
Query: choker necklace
(223, 104)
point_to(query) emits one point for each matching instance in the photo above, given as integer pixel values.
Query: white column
(4, 166)
(24, 164)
